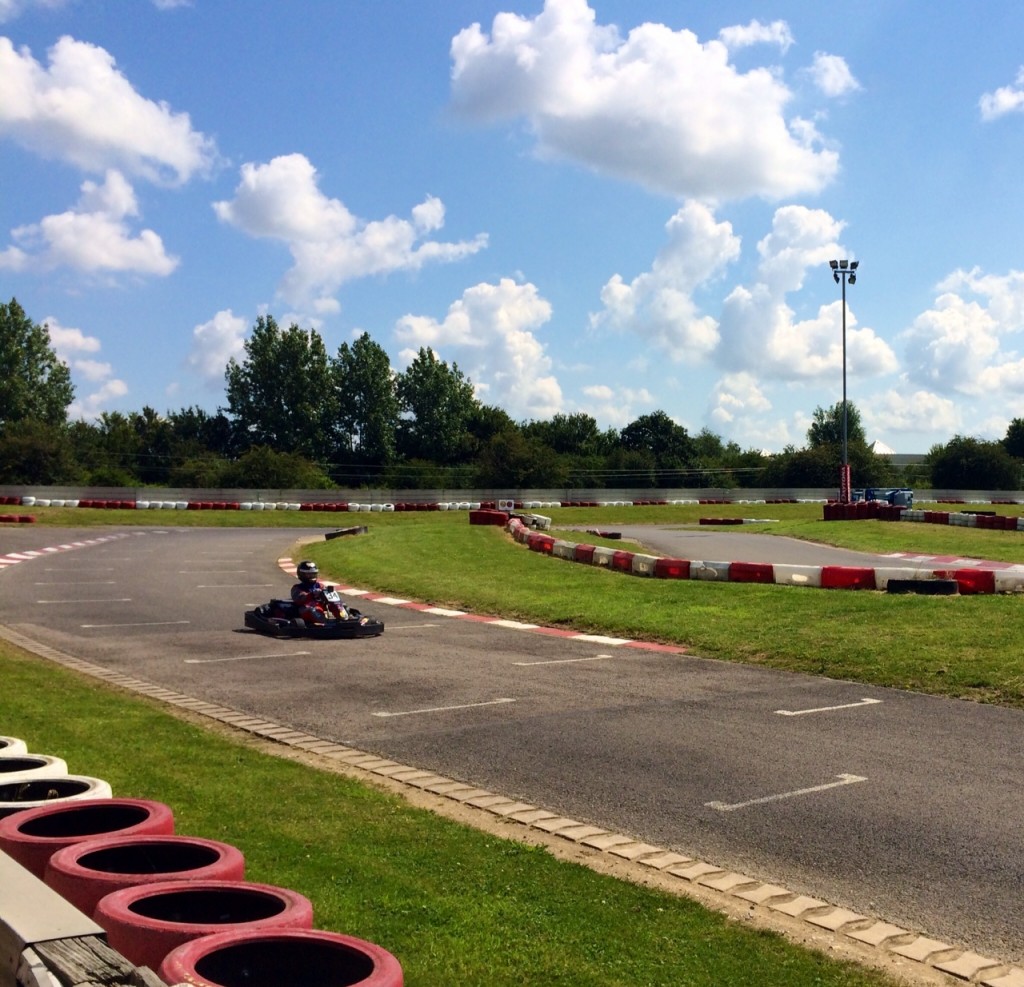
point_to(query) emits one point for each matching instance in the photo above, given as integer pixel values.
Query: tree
(196, 431)
(668, 444)
(117, 450)
(281, 394)
(513, 462)
(795, 468)
(155, 438)
(827, 426)
(972, 464)
(33, 451)
(575, 434)
(1013, 442)
(261, 468)
(438, 402)
(367, 401)
(34, 384)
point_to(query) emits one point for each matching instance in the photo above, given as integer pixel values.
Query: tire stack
(177, 905)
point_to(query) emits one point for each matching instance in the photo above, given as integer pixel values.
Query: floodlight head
(852, 278)
(833, 264)
(835, 276)
(854, 264)
(844, 264)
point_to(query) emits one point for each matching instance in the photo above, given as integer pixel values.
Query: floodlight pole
(841, 271)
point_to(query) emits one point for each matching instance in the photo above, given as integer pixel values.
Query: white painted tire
(27, 767)
(12, 745)
(16, 796)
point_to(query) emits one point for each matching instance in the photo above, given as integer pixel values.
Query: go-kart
(280, 618)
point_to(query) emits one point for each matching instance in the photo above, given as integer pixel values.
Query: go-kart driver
(310, 596)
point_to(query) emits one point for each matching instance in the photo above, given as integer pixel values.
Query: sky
(614, 207)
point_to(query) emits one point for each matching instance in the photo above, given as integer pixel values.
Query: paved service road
(889, 803)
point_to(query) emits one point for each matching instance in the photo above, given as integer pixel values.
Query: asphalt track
(891, 804)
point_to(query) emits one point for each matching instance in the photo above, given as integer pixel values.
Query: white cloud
(949, 345)
(616, 405)
(759, 333)
(738, 406)
(905, 410)
(9, 9)
(658, 305)
(93, 405)
(800, 239)
(660, 108)
(958, 344)
(832, 75)
(329, 245)
(67, 343)
(82, 110)
(737, 396)
(1003, 294)
(92, 237)
(756, 33)
(1005, 99)
(214, 343)
(489, 333)
(93, 371)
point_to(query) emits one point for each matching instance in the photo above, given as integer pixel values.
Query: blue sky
(610, 208)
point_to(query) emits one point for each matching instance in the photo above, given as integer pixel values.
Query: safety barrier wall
(413, 500)
(987, 520)
(969, 580)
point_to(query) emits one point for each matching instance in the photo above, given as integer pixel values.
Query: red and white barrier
(970, 578)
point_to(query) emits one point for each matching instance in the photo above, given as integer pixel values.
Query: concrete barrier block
(710, 571)
(884, 573)
(644, 565)
(797, 575)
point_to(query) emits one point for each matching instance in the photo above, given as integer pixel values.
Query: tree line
(297, 417)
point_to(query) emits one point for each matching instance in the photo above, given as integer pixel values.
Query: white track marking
(843, 780)
(827, 709)
(445, 709)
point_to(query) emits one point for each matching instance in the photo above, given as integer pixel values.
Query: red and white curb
(710, 880)
(288, 565)
(13, 558)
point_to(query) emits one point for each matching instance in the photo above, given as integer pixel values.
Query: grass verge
(959, 646)
(453, 904)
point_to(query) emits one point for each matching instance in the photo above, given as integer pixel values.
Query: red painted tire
(17, 796)
(32, 836)
(85, 872)
(270, 959)
(146, 922)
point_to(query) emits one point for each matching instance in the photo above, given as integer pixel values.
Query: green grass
(453, 904)
(961, 646)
